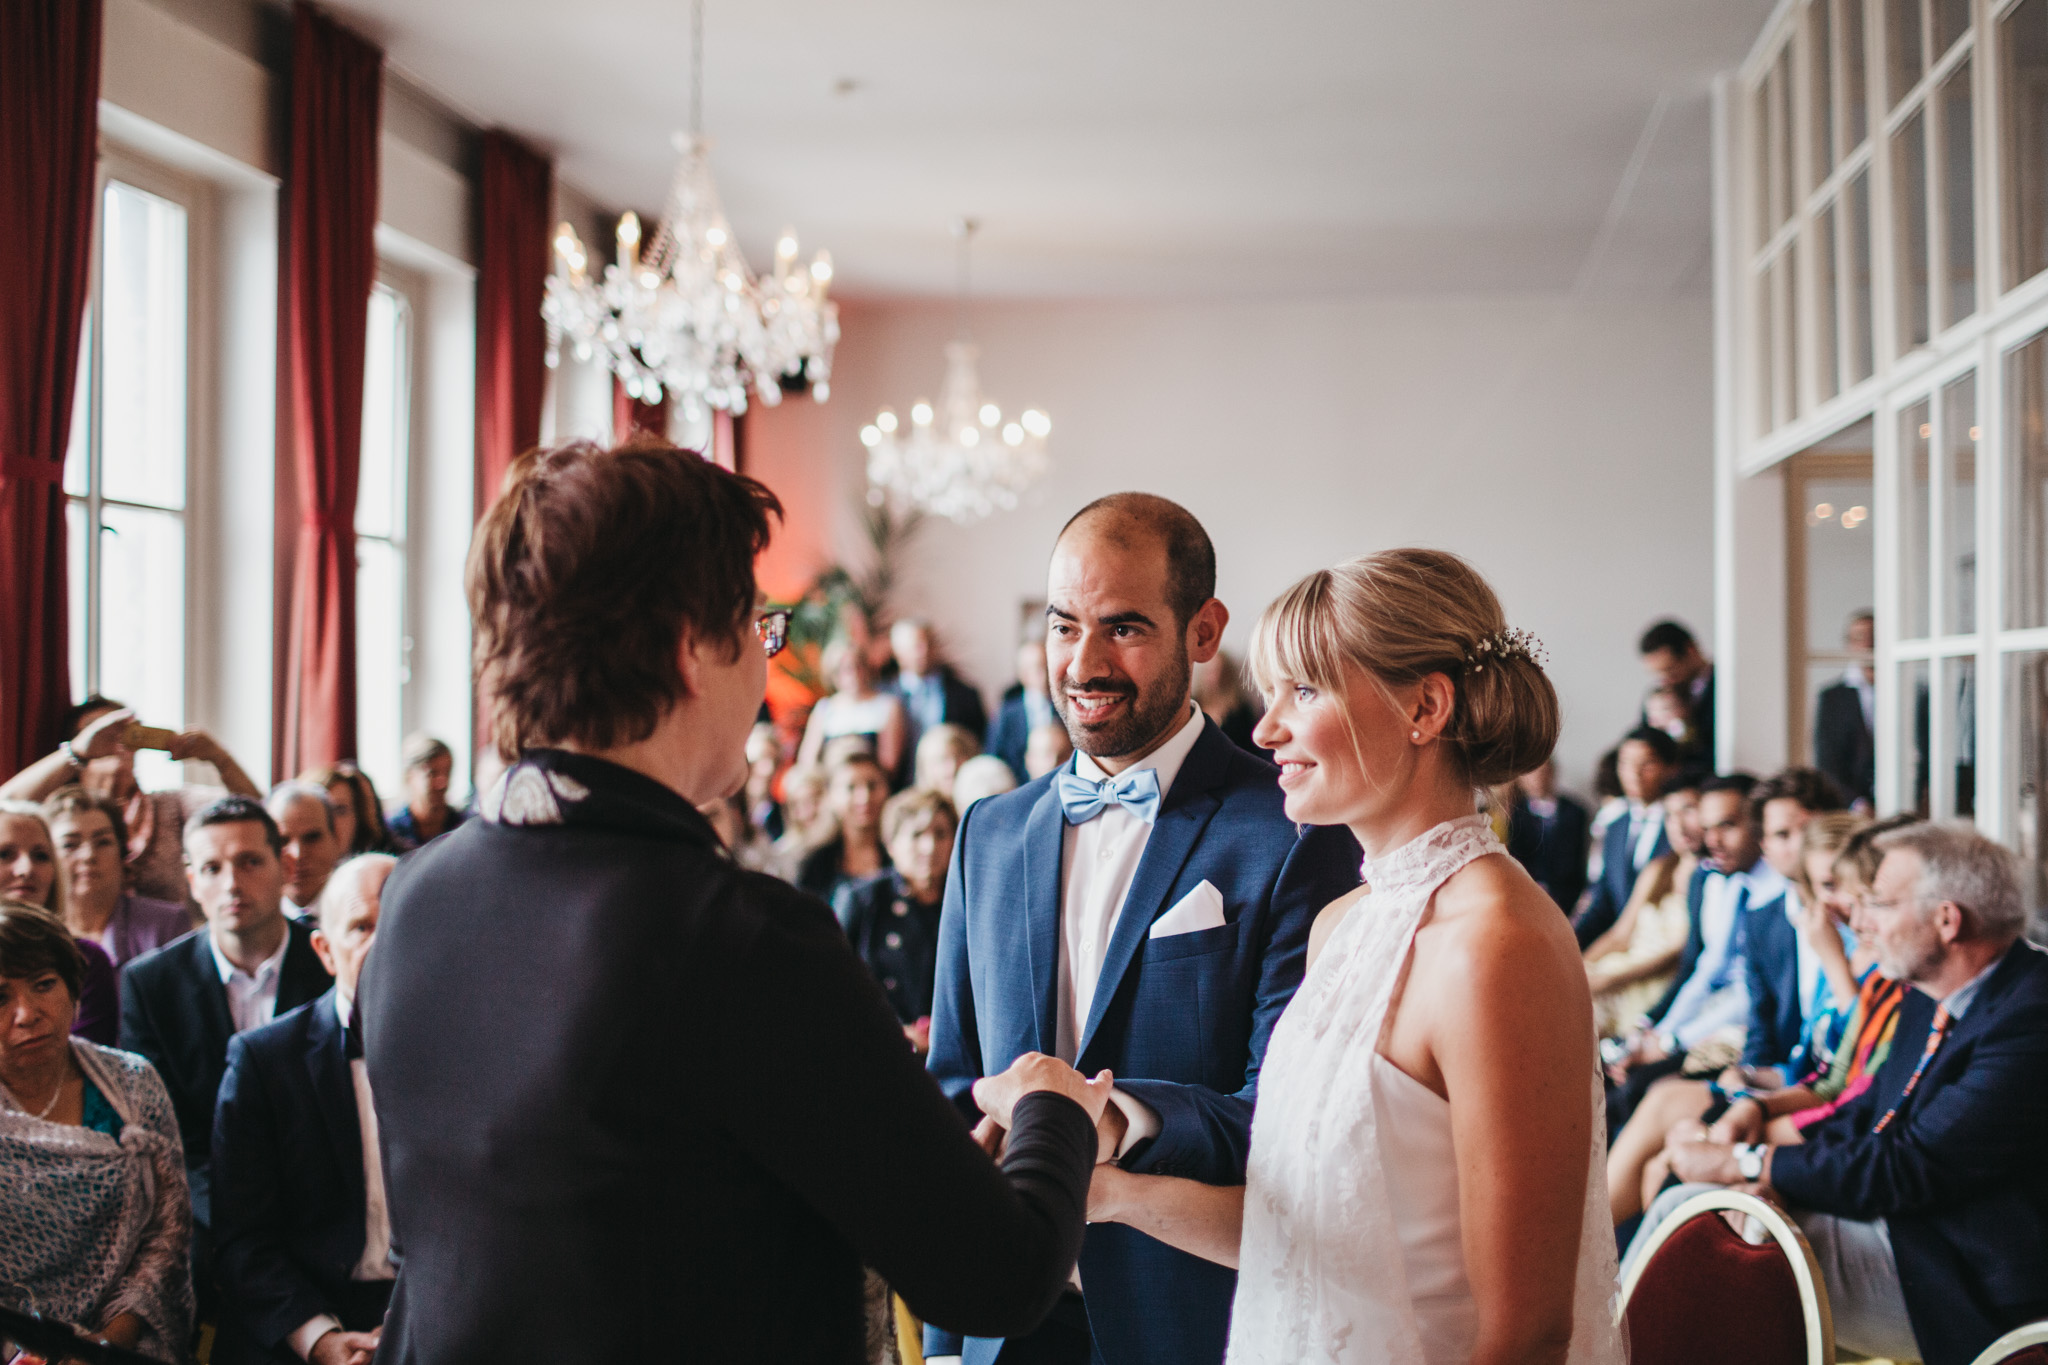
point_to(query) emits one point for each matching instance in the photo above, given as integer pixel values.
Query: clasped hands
(340, 1347)
(997, 1098)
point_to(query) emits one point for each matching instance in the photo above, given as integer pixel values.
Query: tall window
(124, 474)
(383, 644)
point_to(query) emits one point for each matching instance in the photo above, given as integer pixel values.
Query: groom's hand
(1109, 1132)
(996, 1096)
(991, 1137)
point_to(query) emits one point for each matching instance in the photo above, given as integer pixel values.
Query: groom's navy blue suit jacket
(1182, 1020)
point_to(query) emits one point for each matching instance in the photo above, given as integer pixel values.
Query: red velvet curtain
(49, 130)
(329, 263)
(511, 340)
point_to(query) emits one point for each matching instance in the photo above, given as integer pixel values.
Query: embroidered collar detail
(550, 787)
(1418, 860)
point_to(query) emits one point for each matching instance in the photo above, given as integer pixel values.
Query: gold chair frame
(2013, 1342)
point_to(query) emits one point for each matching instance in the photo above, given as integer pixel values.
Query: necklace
(44, 1112)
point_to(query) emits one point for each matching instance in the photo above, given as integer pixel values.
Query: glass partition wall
(1883, 201)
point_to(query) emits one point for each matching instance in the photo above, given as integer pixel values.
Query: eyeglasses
(773, 628)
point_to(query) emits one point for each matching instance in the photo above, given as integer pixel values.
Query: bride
(1425, 1181)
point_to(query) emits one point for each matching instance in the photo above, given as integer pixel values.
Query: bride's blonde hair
(1401, 615)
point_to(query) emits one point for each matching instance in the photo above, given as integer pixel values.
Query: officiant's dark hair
(1190, 556)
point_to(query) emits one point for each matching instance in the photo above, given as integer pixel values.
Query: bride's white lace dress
(1351, 1251)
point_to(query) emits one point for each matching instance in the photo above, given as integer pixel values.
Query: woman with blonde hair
(1424, 1182)
(32, 873)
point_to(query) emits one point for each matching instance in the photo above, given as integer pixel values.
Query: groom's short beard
(1153, 713)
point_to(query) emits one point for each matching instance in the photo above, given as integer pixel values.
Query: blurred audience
(1924, 1198)
(932, 692)
(1219, 689)
(893, 919)
(940, 753)
(1026, 706)
(1673, 659)
(98, 758)
(1845, 717)
(749, 847)
(764, 763)
(1049, 747)
(1547, 835)
(856, 787)
(1632, 965)
(982, 775)
(32, 873)
(99, 908)
(181, 1003)
(857, 709)
(1644, 762)
(358, 814)
(95, 1224)
(312, 844)
(426, 814)
(1667, 709)
(807, 822)
(302, 1233)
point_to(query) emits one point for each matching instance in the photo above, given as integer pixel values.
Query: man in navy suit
(1145, 909)
(1925, 1198)
(1547, 835)
(303, 1237)
(1845, 717)
(1648, 758)
(1787, 984)
(1026, 706)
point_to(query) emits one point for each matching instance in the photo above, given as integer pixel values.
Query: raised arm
(101, 739)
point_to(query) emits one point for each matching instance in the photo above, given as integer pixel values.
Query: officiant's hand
(997, 1096)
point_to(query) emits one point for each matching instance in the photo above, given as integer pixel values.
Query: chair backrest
(2022, 1346)
(1699, 1294)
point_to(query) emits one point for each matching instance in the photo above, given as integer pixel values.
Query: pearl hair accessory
(1505, 644)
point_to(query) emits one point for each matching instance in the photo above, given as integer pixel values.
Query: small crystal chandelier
(961, 460)
(686, 315)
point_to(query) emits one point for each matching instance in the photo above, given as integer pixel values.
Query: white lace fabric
(1322, 1278)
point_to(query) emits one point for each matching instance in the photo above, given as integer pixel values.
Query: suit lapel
(301, 976)
(1044, 842)
(1183, 815)
(218, 1022)
(335, 1090)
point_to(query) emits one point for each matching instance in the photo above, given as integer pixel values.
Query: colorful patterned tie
(1935, 1033)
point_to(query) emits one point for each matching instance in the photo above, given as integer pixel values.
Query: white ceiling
(1282, 147)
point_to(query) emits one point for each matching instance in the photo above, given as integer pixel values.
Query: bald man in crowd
(1143, 907)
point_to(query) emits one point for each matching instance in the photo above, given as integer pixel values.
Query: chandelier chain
(696, 68)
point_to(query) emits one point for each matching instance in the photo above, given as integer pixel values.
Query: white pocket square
(1201, 908)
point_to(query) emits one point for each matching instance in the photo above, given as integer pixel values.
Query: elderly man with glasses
(1926, 1199)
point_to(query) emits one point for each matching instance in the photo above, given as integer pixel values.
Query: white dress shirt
(1866, 694)
(1649, 827)
(376, 1260)
(1716, 995)
(252, 996)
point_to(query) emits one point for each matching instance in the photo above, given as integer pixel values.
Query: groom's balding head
(1136, 521)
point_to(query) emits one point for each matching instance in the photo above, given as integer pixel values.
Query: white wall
(1564, 447)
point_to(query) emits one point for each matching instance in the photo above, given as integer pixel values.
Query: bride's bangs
(1296, 639)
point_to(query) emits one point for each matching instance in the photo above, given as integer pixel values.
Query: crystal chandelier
(683, 313)
(960, 460)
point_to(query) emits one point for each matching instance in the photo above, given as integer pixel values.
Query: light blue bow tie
(1137, 791)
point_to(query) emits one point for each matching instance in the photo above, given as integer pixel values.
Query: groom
(1143, 908)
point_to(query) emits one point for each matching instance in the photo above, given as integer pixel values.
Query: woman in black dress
(636, 1103)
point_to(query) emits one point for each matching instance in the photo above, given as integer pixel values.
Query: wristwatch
(1749, 1159)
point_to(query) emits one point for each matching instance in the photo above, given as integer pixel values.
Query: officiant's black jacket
(639, 1105)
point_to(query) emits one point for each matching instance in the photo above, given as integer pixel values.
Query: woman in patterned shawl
(95, 1228)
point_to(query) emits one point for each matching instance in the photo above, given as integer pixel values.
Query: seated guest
(806, 823)
(97, 758)
(940, 753)
(1645, 761)
(1547, 835)
(312, 844)
(1845, 717)
(91, 837)
(1698, 1025)
(1673, 659)
(31, 874)
(662, 1113)
(1797, 964)
(1635, 1169)
(749, 847)
(1026, 706)
(893, 920)
(764, 763)
(855, 789)
(1048, 748)
(932, 692)
(1666, 709)
(358, 815)
(1632, 965)
(426, 814)
(182, 1003)
(856, 709)
(982, 775)
(1220, 691)
(302, 1238)
(1925, 1199)
(94, 1225)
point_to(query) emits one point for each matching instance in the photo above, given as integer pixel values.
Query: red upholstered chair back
(1701, 1295)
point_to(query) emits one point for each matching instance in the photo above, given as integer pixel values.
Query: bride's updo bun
(1401, 615)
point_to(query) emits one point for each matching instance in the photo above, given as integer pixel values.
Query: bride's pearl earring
(1418, 734)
